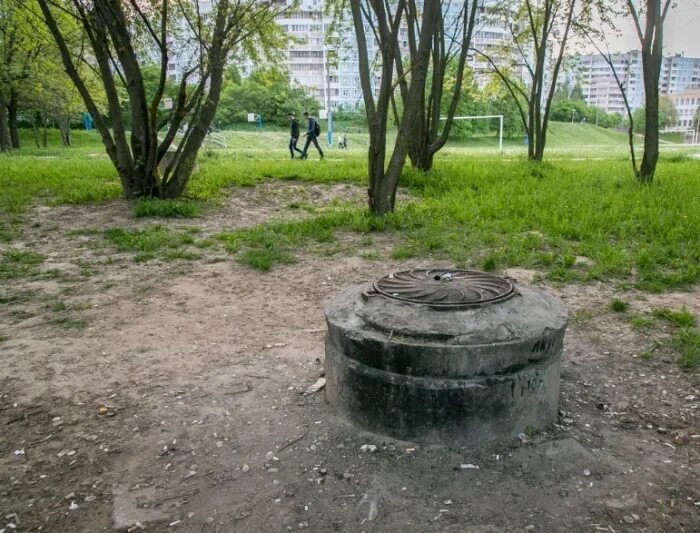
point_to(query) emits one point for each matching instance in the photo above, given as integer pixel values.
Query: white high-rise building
(331, 73)
(678, 74)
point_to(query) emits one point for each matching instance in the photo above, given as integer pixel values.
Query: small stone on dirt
(320, 383)
(269, 456)
(245, 468)
(629, 519)
(371, 448)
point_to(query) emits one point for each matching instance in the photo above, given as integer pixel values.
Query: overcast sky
(682, 31)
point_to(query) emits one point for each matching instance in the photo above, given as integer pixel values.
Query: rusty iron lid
(446, 289)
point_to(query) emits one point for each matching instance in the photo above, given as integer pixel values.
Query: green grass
(152, 207)
(684, 340)
(618, 306)
(16, 263)
(682, 318)
(155, 242)
(3, 338)
(687, 344)
(475, 209)
(489, 213)
(641, 321)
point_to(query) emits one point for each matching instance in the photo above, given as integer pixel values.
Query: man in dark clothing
(294, 134)
(311, 135)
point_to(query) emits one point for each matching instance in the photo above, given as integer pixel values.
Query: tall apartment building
(678, 74)
(332, 74)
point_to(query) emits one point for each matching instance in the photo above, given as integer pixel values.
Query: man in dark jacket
(311, 135)
(294, 134)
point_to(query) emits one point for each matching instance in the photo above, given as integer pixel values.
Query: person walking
(294, 134)
(313, 130)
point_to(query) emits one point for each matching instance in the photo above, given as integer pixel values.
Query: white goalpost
(486, 117)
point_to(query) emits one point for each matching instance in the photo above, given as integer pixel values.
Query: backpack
(317, 128)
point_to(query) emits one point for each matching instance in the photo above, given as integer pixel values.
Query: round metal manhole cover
(445, 288)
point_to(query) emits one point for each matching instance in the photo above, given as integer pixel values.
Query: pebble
(629, 519)
(245, 468)
(371, 448)
(269, 456)
(586, 472)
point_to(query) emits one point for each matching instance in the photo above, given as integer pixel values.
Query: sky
(682, 31)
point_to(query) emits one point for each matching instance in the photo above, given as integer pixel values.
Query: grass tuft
(687, 344)
(16, 263)
(682, 318)
(641, 321)
(153, 207)
(618, 306)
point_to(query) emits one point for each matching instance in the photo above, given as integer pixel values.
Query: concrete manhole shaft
(447, 356)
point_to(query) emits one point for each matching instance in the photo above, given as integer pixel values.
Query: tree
(652, 40)
(451, 42)
(668, 114)
(19, 49)
(117, 36)
(267, 92)
(531, 61)
(384, 20)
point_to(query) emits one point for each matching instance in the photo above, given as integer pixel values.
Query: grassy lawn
(576, 219)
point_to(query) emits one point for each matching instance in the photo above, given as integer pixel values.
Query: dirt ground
(202, 367)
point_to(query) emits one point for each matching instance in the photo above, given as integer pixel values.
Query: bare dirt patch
(202, 366)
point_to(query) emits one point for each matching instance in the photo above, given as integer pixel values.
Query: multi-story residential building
(678, 74)
(687, 104)
(331, 74)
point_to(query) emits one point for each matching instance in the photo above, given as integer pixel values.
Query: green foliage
(152, 207)
(668, 115)
(641, 321)
(687, 344)
(267, 92)
(576, 110)
(619, 306)
(152, 243)
(16, 263)
(682, 318)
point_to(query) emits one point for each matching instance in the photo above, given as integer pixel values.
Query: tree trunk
(379, 201)
(13, 119)
(64, 128)
(651, 138)
(173, 186)
(35, 128)
(5, 141)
